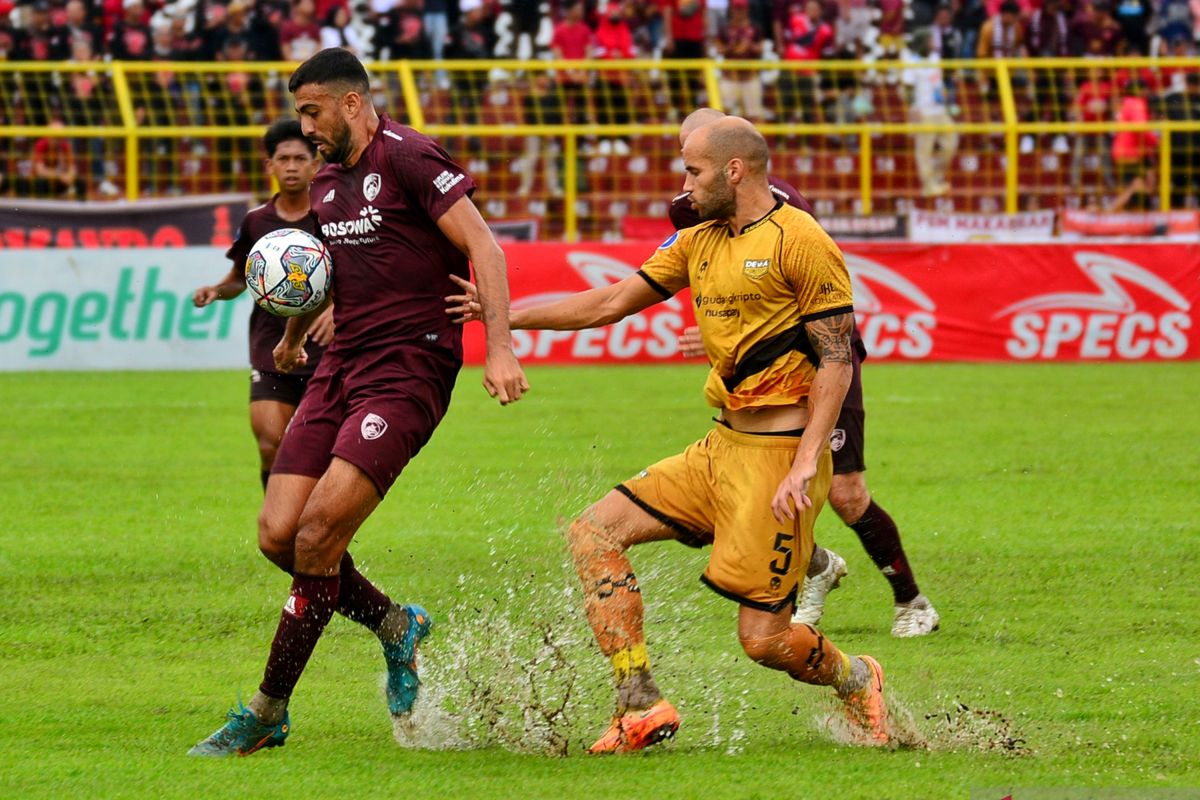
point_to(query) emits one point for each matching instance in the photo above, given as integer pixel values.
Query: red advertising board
(950, 302)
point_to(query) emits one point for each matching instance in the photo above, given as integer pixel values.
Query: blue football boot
(242, 735)
(401, 657)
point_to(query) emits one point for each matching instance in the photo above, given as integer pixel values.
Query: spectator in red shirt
(300, 35)
(130, 39)
(1093, 103)
(801, 35)
(1133, 151)
(613, 40)
(53, 169)
(573, 40)
(684, 23)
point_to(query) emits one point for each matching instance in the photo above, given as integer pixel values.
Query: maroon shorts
(374, 408)
(848, 440)
(277, 386)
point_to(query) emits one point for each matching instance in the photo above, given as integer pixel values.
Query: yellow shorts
(719, 490)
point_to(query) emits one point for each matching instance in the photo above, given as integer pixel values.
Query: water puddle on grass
(517, 668)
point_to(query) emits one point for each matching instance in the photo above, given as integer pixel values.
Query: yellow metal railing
(535, 133)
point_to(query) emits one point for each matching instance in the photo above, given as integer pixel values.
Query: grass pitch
(1049, 511)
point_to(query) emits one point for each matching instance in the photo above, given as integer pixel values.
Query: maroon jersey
(684, 216)
(391, 262)
(267, 329)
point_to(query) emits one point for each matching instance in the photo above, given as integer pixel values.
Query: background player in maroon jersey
(292, 162)
(396, 214)
(914, 615)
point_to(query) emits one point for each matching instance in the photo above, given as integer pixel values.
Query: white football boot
(917, 617)
(810, 605)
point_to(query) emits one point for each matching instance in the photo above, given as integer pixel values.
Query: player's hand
(792, 494)
(465, 305)
(287, 357)
(691, 344)
(205, 295)
(503, 377)
(321, 331)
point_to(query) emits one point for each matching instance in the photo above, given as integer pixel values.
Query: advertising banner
(183, 222)
(1048, 302)
(1176, 225)
(118, 309)
(131, 309)
(934, 226)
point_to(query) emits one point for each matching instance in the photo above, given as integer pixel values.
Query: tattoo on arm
(830, 338)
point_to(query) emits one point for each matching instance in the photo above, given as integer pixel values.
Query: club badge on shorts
(373, 426)
(837, 439)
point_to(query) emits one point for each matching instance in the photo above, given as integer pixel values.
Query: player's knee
(849, 496)
(585, 538)
(768, 650)
(274, 541)
(316, 549)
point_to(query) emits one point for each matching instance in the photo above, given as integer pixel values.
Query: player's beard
(721, 202)
(340, 145)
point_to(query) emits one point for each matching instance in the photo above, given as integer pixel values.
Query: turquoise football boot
(401, 657)
(242, 735)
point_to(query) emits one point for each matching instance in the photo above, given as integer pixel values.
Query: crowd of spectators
(83, 31)
(391, 29)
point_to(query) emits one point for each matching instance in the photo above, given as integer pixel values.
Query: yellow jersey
(753, 292)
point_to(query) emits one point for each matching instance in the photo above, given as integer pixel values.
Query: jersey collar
(778, 205)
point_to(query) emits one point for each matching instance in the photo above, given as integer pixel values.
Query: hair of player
(734, 137)
(285, 130)
(698, 119)
(334, 67)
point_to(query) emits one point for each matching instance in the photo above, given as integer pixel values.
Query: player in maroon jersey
(396, 214)
(849, 496)
(292, 162)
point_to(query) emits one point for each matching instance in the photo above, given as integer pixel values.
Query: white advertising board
(76, 309)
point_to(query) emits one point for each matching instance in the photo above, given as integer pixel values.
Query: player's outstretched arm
(233, 284)
(464, 227)
(830, 339)
(590, 309)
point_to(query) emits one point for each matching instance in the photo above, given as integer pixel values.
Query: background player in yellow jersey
(775, 310)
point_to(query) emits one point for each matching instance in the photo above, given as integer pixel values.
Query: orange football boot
(635, 730)
(866, 710)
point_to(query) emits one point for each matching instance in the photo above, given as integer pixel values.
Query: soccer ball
(288, 272)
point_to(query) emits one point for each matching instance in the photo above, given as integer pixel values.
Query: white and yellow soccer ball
(288, 272)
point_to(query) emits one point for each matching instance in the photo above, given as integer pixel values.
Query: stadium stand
(586, 148)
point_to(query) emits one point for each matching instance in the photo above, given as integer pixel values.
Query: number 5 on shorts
(782, 546)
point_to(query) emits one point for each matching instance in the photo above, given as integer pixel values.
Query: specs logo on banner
(1103, 322)
(653, 332)
(887, 333)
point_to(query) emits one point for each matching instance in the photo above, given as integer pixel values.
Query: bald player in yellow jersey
(775, 309)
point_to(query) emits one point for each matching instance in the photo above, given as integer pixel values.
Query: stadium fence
(589, 149)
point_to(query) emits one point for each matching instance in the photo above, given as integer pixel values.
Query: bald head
(698, 119)
(728, 138)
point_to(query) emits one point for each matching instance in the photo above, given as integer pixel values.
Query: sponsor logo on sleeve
(371, 186)
(447, 181)
(670, 241)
